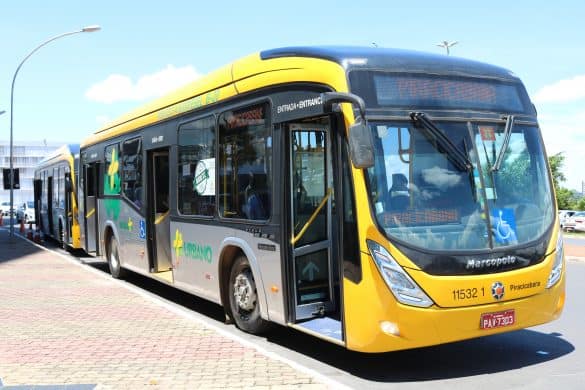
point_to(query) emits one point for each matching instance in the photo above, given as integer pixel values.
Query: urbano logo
(191, 250)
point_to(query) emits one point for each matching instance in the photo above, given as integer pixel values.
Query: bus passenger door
(38, 191)
(311, 197)
(68, 209)
(90, 210)
(158, 229)
(50, 205)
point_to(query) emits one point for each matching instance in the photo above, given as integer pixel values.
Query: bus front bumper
(398, 326)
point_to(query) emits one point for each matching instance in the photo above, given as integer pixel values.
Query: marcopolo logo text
(490, 263)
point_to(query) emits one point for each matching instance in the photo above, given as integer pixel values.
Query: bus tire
(243, 298)
(113, 253)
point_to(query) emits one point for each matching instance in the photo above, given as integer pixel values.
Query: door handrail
(160, 218)
(296, 238)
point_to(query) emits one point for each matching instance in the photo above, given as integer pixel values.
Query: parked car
(564, 215)
(26, 212)
(576, 222)
(5, 209)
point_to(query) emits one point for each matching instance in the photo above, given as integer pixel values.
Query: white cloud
(117, 87)
(562, 91)
(565, 132)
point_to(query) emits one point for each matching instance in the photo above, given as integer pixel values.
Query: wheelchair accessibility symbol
(142, 229)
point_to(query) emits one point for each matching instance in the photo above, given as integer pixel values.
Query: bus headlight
(557, 269)
(400, 283)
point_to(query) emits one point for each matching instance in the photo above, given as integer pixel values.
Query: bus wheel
(114, 260)
(243, 297)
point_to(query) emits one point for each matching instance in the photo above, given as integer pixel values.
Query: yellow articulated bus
(56, 196)
(378, 199)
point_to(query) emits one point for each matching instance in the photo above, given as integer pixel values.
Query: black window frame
(268, 155)
(121, 171)
(181, 124)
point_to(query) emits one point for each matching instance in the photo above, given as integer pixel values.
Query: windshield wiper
(421, 120)
(507, 134)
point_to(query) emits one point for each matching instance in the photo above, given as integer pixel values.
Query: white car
(4, 209)
(26, 212)
(564, 216)
(576, 222)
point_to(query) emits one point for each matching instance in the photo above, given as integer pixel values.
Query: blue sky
(70, 87)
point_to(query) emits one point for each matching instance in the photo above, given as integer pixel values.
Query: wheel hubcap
(244, 292)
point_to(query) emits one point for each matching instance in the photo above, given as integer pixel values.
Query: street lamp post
(85, 29)
(447, 45)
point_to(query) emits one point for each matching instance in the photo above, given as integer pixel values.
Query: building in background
(26, 156)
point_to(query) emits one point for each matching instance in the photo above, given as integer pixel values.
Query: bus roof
(63, 153)
(325, 65)
(396, 60)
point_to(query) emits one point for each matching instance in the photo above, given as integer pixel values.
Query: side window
(89, 183)
(244, 159)
(55, 187)
(132, 171)
(196, 170)
(111, 173)
(44, 195)
(351, 253)
(62, 187)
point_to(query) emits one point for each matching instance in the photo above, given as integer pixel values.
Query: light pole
(85, 29)
(447, 45)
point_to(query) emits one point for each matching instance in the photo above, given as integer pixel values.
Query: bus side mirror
(361, 147)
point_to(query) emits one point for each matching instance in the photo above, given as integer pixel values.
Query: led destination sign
(425, 91)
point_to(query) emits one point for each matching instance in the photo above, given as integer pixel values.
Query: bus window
(132, 170)
(55, 188)
(244, 158)
(112, 171)
(196, 170)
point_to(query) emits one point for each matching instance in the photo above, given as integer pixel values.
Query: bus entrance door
(68, 208)
(50, 205)
(90, 214)
(159, 230)
(311, 196)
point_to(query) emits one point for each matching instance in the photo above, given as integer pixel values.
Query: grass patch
(574, 234)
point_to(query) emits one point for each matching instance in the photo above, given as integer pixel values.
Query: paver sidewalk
(62, 324)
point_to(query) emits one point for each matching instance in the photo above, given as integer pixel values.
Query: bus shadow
(14, 248)
(189, 301)
(486, 355)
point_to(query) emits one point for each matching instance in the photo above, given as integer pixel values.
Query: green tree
(556, 165)
(565, 199)
(580, 205)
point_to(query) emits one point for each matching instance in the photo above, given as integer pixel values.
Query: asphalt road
(577, 241)
(543, 357)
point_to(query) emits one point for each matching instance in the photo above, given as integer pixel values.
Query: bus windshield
(423, 199)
